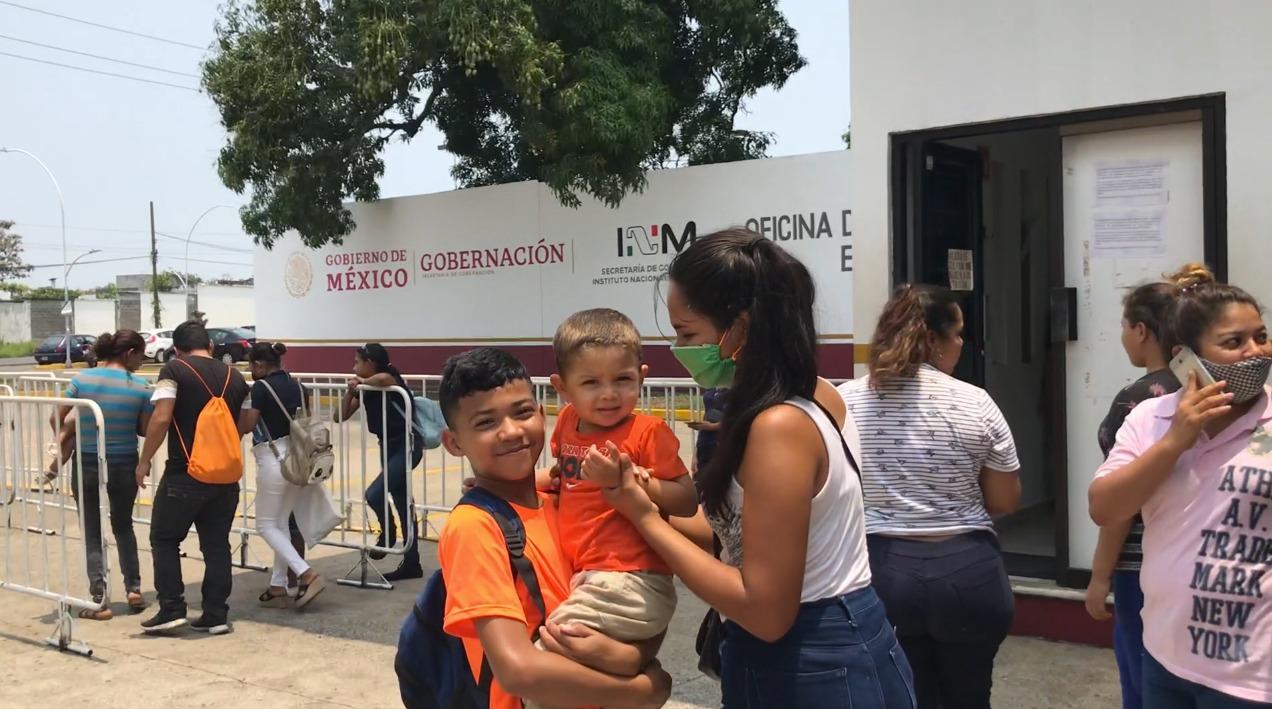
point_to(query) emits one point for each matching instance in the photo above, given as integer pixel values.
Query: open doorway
(1001, 214)
(990, 201)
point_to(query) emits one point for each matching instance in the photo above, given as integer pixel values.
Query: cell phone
(1187, 362)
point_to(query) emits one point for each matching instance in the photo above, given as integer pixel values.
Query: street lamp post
(61, 206)
(67, 310)
(185, 282)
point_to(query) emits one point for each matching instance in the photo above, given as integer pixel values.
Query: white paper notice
(1129, 234)
(960, 268)
(1131, 183)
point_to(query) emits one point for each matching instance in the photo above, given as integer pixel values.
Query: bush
(17, 349)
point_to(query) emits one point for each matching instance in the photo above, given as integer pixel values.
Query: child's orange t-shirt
(594, 536)
(479, 581)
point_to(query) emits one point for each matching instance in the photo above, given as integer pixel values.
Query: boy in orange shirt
(493, 419)
(621, 587)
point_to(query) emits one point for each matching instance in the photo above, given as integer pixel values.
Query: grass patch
(17, 349)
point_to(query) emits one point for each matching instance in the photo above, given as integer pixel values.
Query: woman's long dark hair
(737, 271)
(378, 356)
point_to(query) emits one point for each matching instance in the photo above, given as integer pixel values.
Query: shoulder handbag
(707, 643)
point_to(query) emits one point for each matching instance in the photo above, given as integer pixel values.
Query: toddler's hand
(642, 476)
(602, 466)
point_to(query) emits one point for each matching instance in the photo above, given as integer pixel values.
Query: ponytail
(1151, 305)
(722, 276)
(118, 346)
(267, 352)
(900, 344)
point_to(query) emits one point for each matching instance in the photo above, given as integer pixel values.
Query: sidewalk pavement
(339, 652)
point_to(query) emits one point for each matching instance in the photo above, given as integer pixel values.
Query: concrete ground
(339, 652)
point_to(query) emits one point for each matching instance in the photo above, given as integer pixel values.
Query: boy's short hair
(475, 371)
(190, 336)
(598, 327)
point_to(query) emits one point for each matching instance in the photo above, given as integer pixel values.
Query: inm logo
(654, 240)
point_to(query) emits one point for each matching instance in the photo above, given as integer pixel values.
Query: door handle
(1063, 306)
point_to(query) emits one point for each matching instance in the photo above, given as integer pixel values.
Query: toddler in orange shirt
(621, 587)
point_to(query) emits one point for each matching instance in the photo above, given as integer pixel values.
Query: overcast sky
(116, 144)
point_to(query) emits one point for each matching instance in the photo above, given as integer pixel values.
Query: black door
(950, 195)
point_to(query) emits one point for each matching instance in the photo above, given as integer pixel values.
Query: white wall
(404, 296)
(923, 65)
(93, 316)
(228, 306)
(172, 310)
(15, 322)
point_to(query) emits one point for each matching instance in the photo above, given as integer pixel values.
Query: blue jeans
(1163, 690)
(121, 492)
(1128, 636)
(952, 605)
(395, 471)
(841, 652)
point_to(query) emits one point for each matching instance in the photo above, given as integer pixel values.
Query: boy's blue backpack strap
(515, 539)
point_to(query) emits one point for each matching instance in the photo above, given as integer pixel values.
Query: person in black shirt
(1118, 552)
(185, 386)
(386, 418)
(270, 426)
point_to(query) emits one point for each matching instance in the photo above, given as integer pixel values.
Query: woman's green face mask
(707, 365)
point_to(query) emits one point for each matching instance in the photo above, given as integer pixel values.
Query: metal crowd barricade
(350, 489)
(434, 486)
(29, 563)
(677, 401)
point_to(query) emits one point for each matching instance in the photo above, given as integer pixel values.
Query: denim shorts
(840, 652)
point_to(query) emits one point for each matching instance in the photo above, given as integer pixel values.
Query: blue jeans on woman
(841, 652)
(1128, 636)
(1163, 690)
(396, 469)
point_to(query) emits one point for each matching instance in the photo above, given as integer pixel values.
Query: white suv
(158, 343)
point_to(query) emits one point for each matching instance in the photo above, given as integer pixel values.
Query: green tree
(847, 136)
(584, 95)
(11, 263)
(166, 282)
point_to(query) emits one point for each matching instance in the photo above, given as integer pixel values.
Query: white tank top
(836, 561)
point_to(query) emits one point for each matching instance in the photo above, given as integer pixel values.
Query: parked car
(229, 344)
(52, 350)
(158, 344)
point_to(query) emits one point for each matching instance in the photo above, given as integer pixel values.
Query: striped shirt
(924, 441)
(122, 397)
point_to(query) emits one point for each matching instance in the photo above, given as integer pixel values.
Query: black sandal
(270, 600)
(307, 592)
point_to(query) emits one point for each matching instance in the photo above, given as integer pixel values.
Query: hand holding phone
(1187, 362)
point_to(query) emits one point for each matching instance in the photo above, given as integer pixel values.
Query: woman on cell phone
(1197, 464)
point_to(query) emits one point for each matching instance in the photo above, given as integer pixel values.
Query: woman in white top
(803, 627)
(938, 461)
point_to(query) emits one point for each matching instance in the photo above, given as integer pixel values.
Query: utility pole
(154, 266)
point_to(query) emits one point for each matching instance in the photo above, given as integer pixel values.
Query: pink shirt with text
(1207, 573)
